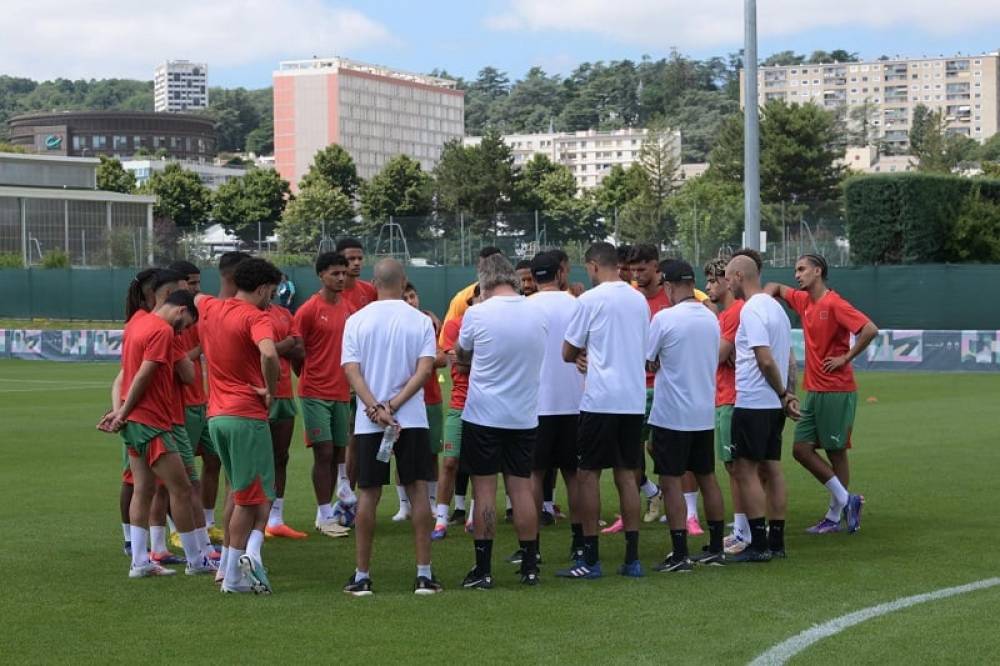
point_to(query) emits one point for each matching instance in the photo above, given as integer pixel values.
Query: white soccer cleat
(402, 514)
(202, 566)
(149, 570)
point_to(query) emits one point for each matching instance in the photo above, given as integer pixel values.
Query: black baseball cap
(544, 267)
(676, 270)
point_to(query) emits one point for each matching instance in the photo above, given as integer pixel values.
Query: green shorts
(326, 421)
(246, 455)
(183, 444)
(147, 442)
(453, 433)
(827, 419)
(282, 409)
(723, 433)
(196, 425)
(646, 432)
(435, 422)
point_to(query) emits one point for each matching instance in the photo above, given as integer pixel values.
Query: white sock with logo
(324, 512)
(276, 517)
(158, 538)
(691, 499)
(140, 548)
(442, 514)
(254, 543)
(838, 498)
(649, 489)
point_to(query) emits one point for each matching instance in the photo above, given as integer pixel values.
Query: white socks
(649, 489)
(324, 512)
(432, 491)
(276, 517)
(192, 547)
(424, 570)
(460, 502)
(507, 497)
(344, 492)
(140, 552)
(233, 573)
(209, 517)
(127, 531)
(741, 527)
(549, 507)
(442, 514)
(401, 494)
(158, 538)
(360, 575)
(838, 498)
(254, 543)
(203, 541)
(691, 499)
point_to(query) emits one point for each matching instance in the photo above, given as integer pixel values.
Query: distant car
(421, 262)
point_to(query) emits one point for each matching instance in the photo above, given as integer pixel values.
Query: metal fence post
(24, 233)
(66, 229)
(107, 212)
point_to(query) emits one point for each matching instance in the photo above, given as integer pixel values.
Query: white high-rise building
(180, 86)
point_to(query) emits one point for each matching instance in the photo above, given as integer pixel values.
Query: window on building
(119, 142)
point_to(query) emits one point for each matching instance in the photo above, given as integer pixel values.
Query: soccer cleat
(127, 548)
(631, 569)
(204, 565)
(778, 554)
(215, 555)
(615, 527)
(516, 556)
(735, 545)
(166, 557)
(546, 519)
(402, 514)
(220, 574)
(530, 578)
(853, 511)
(584, 570)
(654, 508)
(825, 526)
(672, 564)
(708, 558)
(254, 571)
(457, 517)
(426, 586)
(242, 586)
(694, 527)
(148, 570)
(332, 529)
(440, 531)
(477, 581)
(215, 534)
(284, 531)
(751, 555)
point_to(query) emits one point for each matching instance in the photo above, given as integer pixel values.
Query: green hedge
(910, 217)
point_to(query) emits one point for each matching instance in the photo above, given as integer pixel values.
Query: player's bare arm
(777, 290)
(769, 368)
(143, 378)
(862, 339)
(184, 370)
(425, 366)
(270, 366)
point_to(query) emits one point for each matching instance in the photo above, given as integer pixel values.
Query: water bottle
(388, 439)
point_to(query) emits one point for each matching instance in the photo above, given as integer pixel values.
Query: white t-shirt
(763, 323)
(685, 338)
(386, 338)
(611, 323)
(507, 339)
(561, 384)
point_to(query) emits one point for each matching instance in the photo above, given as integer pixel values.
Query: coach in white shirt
(388, 355)
(610, 324)
(504, 340)
(683, 351)
(763, 398)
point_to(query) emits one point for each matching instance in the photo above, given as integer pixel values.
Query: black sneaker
(509, 516)
(708, 558)
(516, 556)
(750, 555)
(477, 581)
(546, 519)
(673, 564)
(530, 578)
(362, 588)
(425, 585)
(457, 517)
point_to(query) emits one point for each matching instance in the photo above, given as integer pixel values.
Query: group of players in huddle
(546, 377)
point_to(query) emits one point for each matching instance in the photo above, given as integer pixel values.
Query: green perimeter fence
(927, 296)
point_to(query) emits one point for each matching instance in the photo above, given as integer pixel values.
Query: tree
(251, 206)
(532, 104)
(11, 148)
(976, 232)
(260, 140)
(783, 58)
(316, 210)
(990, 150)
(937, 150)
(617, 189)
(482, 95)
(112, 176)
(235, 117)
(401, 189)
(699, 116)
(550, 189)
(478, 180)
(643, 218)
(923, 123)
(798, 158)
(334, 166)
(708, 216)
(861, 129)
(180, 196)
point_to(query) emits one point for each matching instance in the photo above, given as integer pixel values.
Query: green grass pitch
(926, 458)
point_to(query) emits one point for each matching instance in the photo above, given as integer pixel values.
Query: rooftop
(337, 63)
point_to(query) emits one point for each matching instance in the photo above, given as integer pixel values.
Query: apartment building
(966, 89)
(588, 154)
(180, 86)
(373, 112)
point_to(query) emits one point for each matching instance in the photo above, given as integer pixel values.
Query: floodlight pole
(751, 130)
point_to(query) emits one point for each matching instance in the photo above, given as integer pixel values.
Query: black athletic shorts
(487, 450)
(412, 452)
(556, 446)
(678, 451)
(609, 441)
(756, 433)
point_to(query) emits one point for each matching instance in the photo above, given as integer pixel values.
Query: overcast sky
(243, 40)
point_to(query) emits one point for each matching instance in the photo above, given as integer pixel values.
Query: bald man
(763, 398)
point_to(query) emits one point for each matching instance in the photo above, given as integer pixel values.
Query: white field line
(39, 381)
(782, 652)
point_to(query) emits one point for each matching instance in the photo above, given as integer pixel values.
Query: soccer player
(574, 288)
(356, 291)
(763, 399)
(243, 370)
(611, 326)
(559, 393)
(828, 321)
(523, 270)
(504, 340)
(683, 349)
(144, 419)
(324, 392)
(725, 392)
(460, 301)
(389, 352)
(281, 416)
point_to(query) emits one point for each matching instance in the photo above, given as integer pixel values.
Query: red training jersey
(150, 338)
(194, 393)
(360, 295)
(827, 325)
(725, 374)
(233, 329)
(658, 302)
(284, 326)
(321, 325)
(459, 382)
(432, 389)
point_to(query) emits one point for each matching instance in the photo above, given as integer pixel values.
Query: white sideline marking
(782, 652)
(38, 381)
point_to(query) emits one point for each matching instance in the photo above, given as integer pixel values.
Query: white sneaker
(149, 569)
(402, 514)
(332, 528)
(203, 565)
(242, 586)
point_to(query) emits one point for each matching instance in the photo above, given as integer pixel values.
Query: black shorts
(756, 433)
(609, 441)
(556, 446)
(412, 451)
(678, 451)
(487, 450)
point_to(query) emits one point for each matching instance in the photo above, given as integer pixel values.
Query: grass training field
(926, 458)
